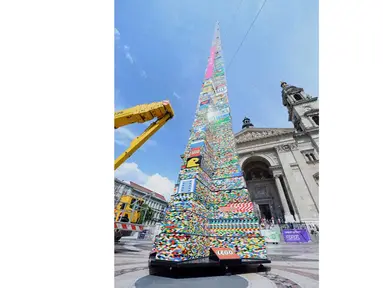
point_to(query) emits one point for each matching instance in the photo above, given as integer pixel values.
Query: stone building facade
(281, 165)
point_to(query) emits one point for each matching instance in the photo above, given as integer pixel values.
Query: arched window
(316, 119)
(313, 156)
(308, 157)
(297, 97)
(257, 170)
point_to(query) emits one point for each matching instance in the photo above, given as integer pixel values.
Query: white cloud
(121, 143)
(123, 136)
(156, 182)
(129, 57)
(116, 34)
(176, 95)
(127, 54)
(143, 74)
(125, 132)
(160, 184)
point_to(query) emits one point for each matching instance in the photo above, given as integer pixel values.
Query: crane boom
(163, 111)
(142, 113)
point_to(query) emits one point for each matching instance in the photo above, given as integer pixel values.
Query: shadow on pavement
(179, 273)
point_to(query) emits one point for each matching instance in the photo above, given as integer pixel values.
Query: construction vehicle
(128, 207)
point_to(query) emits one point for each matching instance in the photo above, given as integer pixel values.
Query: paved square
(293, 265)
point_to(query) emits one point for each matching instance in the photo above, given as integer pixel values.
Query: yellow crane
(128, 205)
(163, 111)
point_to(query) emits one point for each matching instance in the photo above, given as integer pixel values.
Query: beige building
(281, 165)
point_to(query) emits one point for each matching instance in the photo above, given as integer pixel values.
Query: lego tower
(211, 206)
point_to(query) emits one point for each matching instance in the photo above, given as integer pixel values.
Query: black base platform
(203, 262)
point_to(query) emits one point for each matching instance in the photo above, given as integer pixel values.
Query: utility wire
(244, 38)
(234, 16)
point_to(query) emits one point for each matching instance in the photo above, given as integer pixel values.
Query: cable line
(244, 38)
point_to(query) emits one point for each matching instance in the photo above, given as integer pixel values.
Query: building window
(116, 187)
(316, 119)
(316, 177)
(298, 127)
(310, 156)
(297, 97)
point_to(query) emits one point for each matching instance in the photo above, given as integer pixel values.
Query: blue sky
(161, 51)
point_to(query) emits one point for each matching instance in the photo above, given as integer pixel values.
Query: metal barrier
(122, 229)
(128, 226)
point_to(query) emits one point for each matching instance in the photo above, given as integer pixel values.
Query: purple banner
(296, 235)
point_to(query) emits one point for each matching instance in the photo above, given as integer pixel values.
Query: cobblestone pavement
(293, 265)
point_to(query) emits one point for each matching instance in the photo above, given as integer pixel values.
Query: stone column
(300, 194)
(308, 178)
(257, 211)
(288, 192)
(288, 216)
